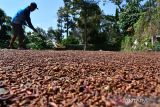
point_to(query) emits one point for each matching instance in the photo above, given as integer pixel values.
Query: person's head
(33, 6)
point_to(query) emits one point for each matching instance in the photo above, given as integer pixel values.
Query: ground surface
(79, 79)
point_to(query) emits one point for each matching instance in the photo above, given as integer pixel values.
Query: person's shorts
(17, 30)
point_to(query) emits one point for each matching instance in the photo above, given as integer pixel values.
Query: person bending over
(21, 18)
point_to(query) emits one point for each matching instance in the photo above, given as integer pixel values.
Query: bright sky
(46, 15)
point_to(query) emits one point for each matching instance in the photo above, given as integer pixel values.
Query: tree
(89, 19)
(129, 16)
(5, 29)
(73, 16)
(65, 17)
(60, 20)
(118, 3)
(55, 34)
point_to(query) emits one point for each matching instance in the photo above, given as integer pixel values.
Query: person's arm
(28, 20)
(30, 24)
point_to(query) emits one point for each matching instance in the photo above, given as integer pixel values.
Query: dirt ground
(79, 79)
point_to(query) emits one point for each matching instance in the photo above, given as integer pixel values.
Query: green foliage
(70, 40)
(141, 33)
(5, 29)
(39, 40)
(129, 16)
(146, 27)
(126, 43)
(149, 4)
(110, 35)
(35, 41)
(156, 46)
(49, 44)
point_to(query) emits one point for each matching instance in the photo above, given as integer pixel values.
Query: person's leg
(13, 37)
(21, 39)
(12, 41)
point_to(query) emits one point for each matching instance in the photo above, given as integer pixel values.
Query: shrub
(70, 40)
